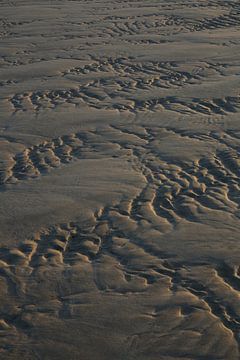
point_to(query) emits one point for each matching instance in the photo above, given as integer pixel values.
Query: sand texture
(119, 180)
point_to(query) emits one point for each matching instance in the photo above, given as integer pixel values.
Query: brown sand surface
(120, 180)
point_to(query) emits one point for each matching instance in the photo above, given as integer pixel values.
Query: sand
(119, 180)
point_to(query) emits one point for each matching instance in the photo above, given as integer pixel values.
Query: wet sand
(119, 180)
